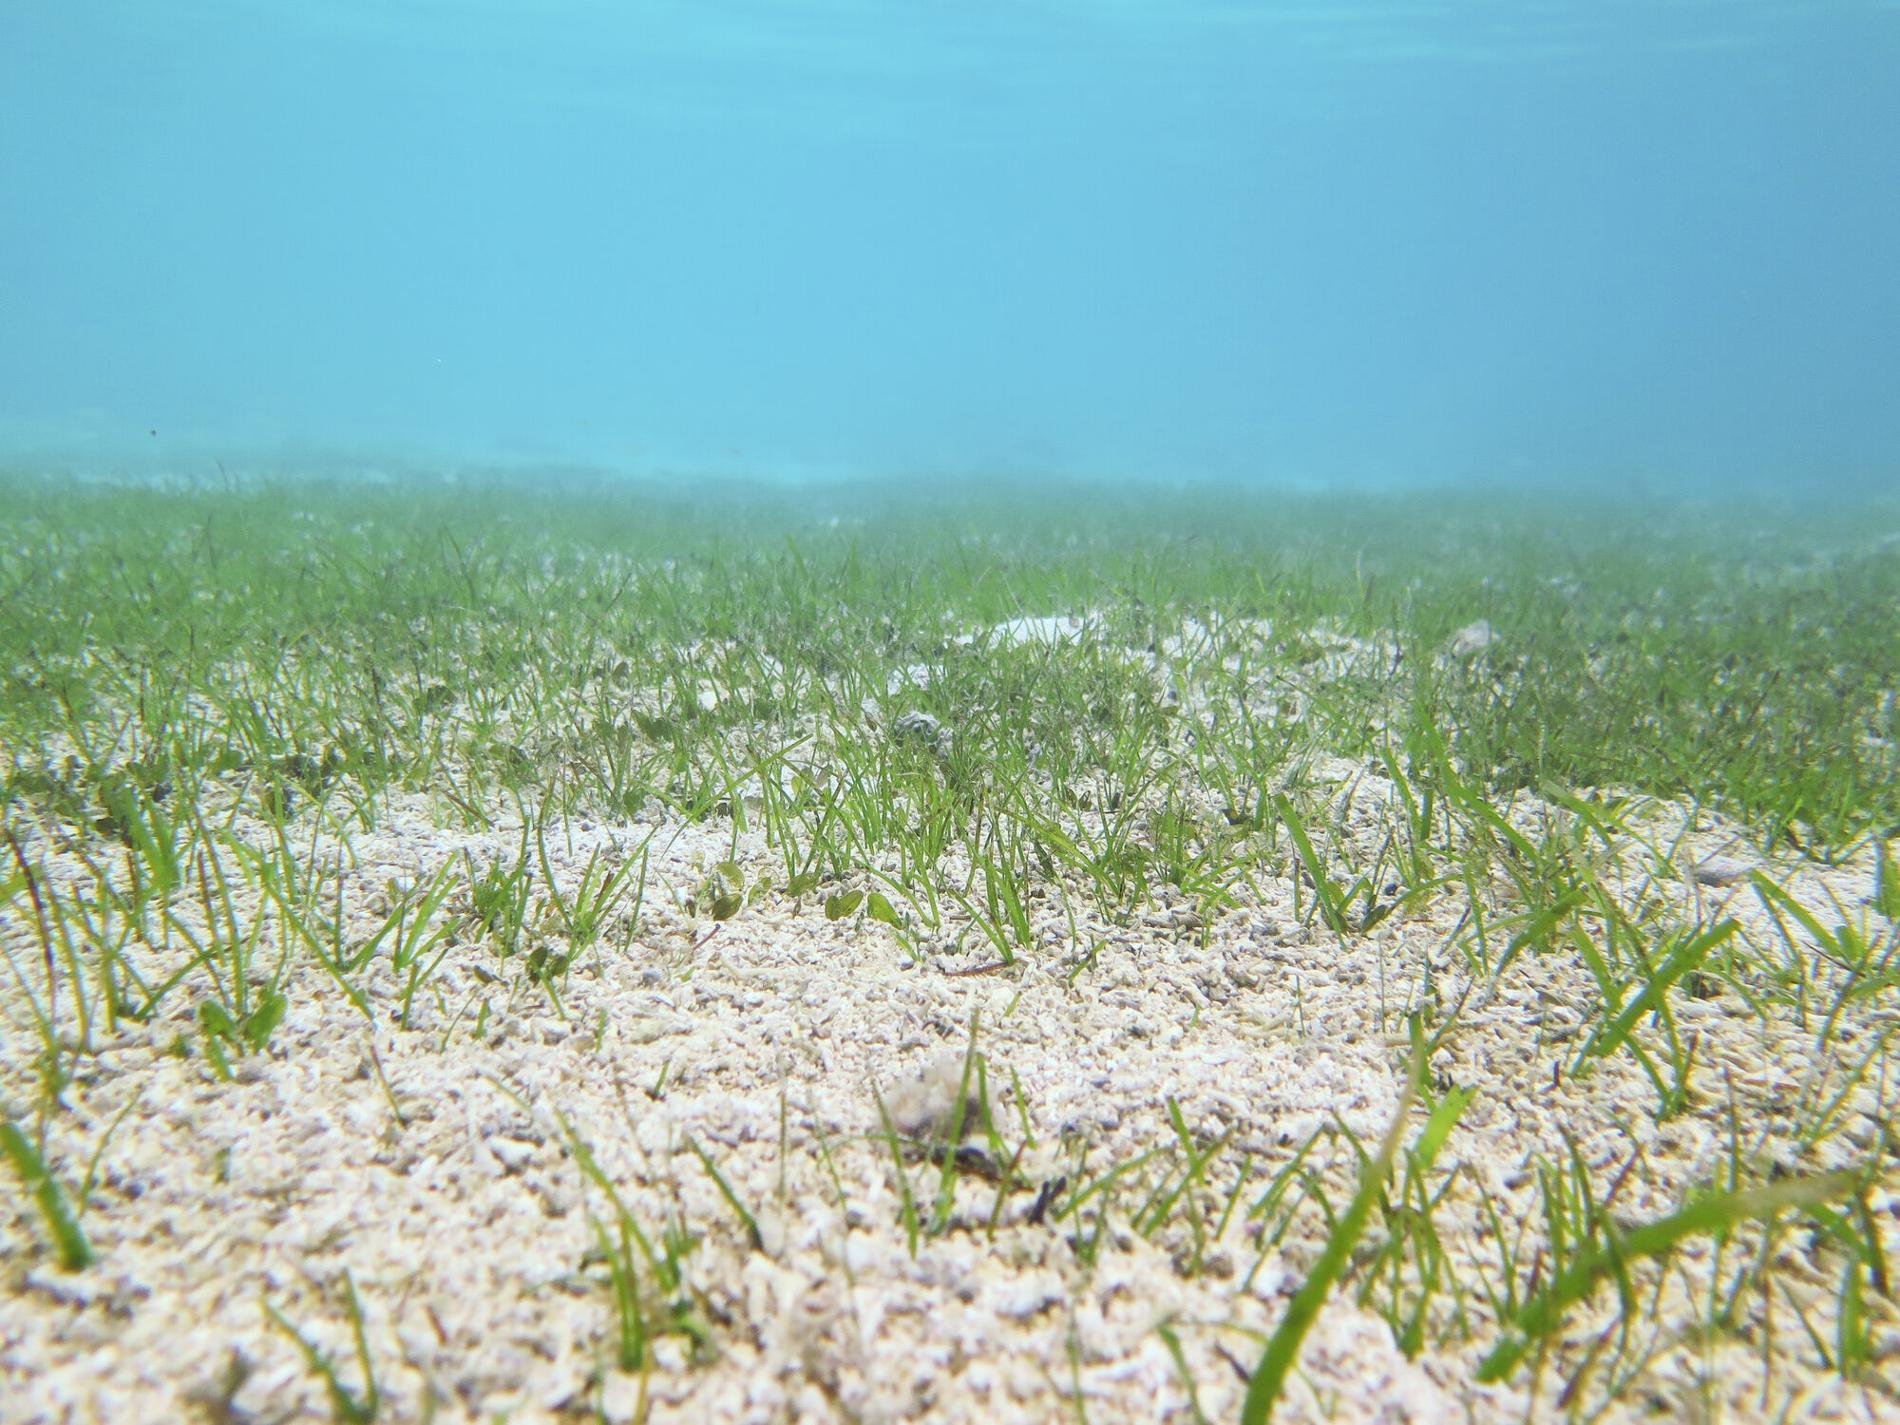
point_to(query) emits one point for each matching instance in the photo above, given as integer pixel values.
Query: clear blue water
(1552, 240)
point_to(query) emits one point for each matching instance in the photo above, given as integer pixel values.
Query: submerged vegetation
(594, 648)
(1479, 744)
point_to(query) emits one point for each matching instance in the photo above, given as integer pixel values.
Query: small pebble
(1472, 639)
(922, 1103)
(1719, 871)
(921, 727)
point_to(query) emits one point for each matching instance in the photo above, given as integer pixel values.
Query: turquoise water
(1370, 242)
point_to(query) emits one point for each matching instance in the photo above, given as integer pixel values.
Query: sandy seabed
(432, 1170)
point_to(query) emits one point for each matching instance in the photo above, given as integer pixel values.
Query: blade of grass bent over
(1543, 1313)
(1283, 1347)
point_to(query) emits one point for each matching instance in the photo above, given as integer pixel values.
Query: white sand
(466, 1226)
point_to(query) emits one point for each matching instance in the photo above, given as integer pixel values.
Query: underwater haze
(1383, 242)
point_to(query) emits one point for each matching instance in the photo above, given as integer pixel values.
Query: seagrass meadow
(498, 949)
